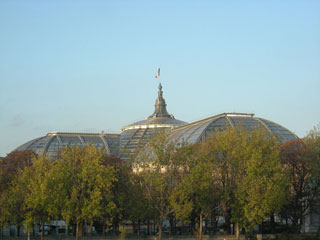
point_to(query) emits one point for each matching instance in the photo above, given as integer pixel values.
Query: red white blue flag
(158, 73)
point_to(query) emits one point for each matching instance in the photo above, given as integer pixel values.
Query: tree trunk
(139, 228)
(28, 233)
(228, 223)
(171, 225)
(85, 230)
(42, 231)
(18, 230)
(193, 225)
(148, 227)
(116, 228)
(134, 227)
(160, 230)
(260, 229)
(237, 231)
(90, 230)
(80, 231)
(272, 222)
(67, 230)
(200, 227)
(206, 226)
(77, 231)
(295, 220)
(175, 226)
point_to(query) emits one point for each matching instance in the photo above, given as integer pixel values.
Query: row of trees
(76, 188)
(242, 175)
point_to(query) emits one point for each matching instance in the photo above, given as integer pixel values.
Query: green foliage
(125, 193)
(196, 193)
(12, 199)
(158, 173)
(236, 169)
(84, 184)
(38, 196)
(15, 202)
(301, 158)
(248, 167)
(262, 189)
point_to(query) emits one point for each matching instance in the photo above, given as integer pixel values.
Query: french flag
(158, 73)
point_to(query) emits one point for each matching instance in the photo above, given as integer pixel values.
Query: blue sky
(88, 66)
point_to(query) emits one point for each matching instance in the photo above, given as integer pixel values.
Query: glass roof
(133, 140)
(198, 131)
(136, 135)
(52, 143)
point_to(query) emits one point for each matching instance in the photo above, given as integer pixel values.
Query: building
(134, 136)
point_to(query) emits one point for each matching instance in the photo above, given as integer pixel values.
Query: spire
(160, 106)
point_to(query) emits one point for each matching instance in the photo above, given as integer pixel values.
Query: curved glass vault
(52, 143)
(198, 131)
(134, 136)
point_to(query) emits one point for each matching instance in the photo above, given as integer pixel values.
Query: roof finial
(160, 91)
(160, 106)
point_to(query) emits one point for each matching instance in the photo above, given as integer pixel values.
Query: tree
(35, 181)
(301, 158)
(247, 164)
(10, 168)
(312, 142)
(86, 182)
(138, 208)
(120, 190)
(158, 171)
(157, 191)
(33, 194)
(196, 195)
(297, 157)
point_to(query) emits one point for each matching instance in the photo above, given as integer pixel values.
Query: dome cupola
(160, 118)
(136, 135)
(160, 106)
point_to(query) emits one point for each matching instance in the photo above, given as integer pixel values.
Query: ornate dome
(52, 143)
(198, 131)
(136, 135)
(160, 118)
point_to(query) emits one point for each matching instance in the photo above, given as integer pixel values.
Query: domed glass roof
(136, 135)
(198, 131)
(52, 143)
